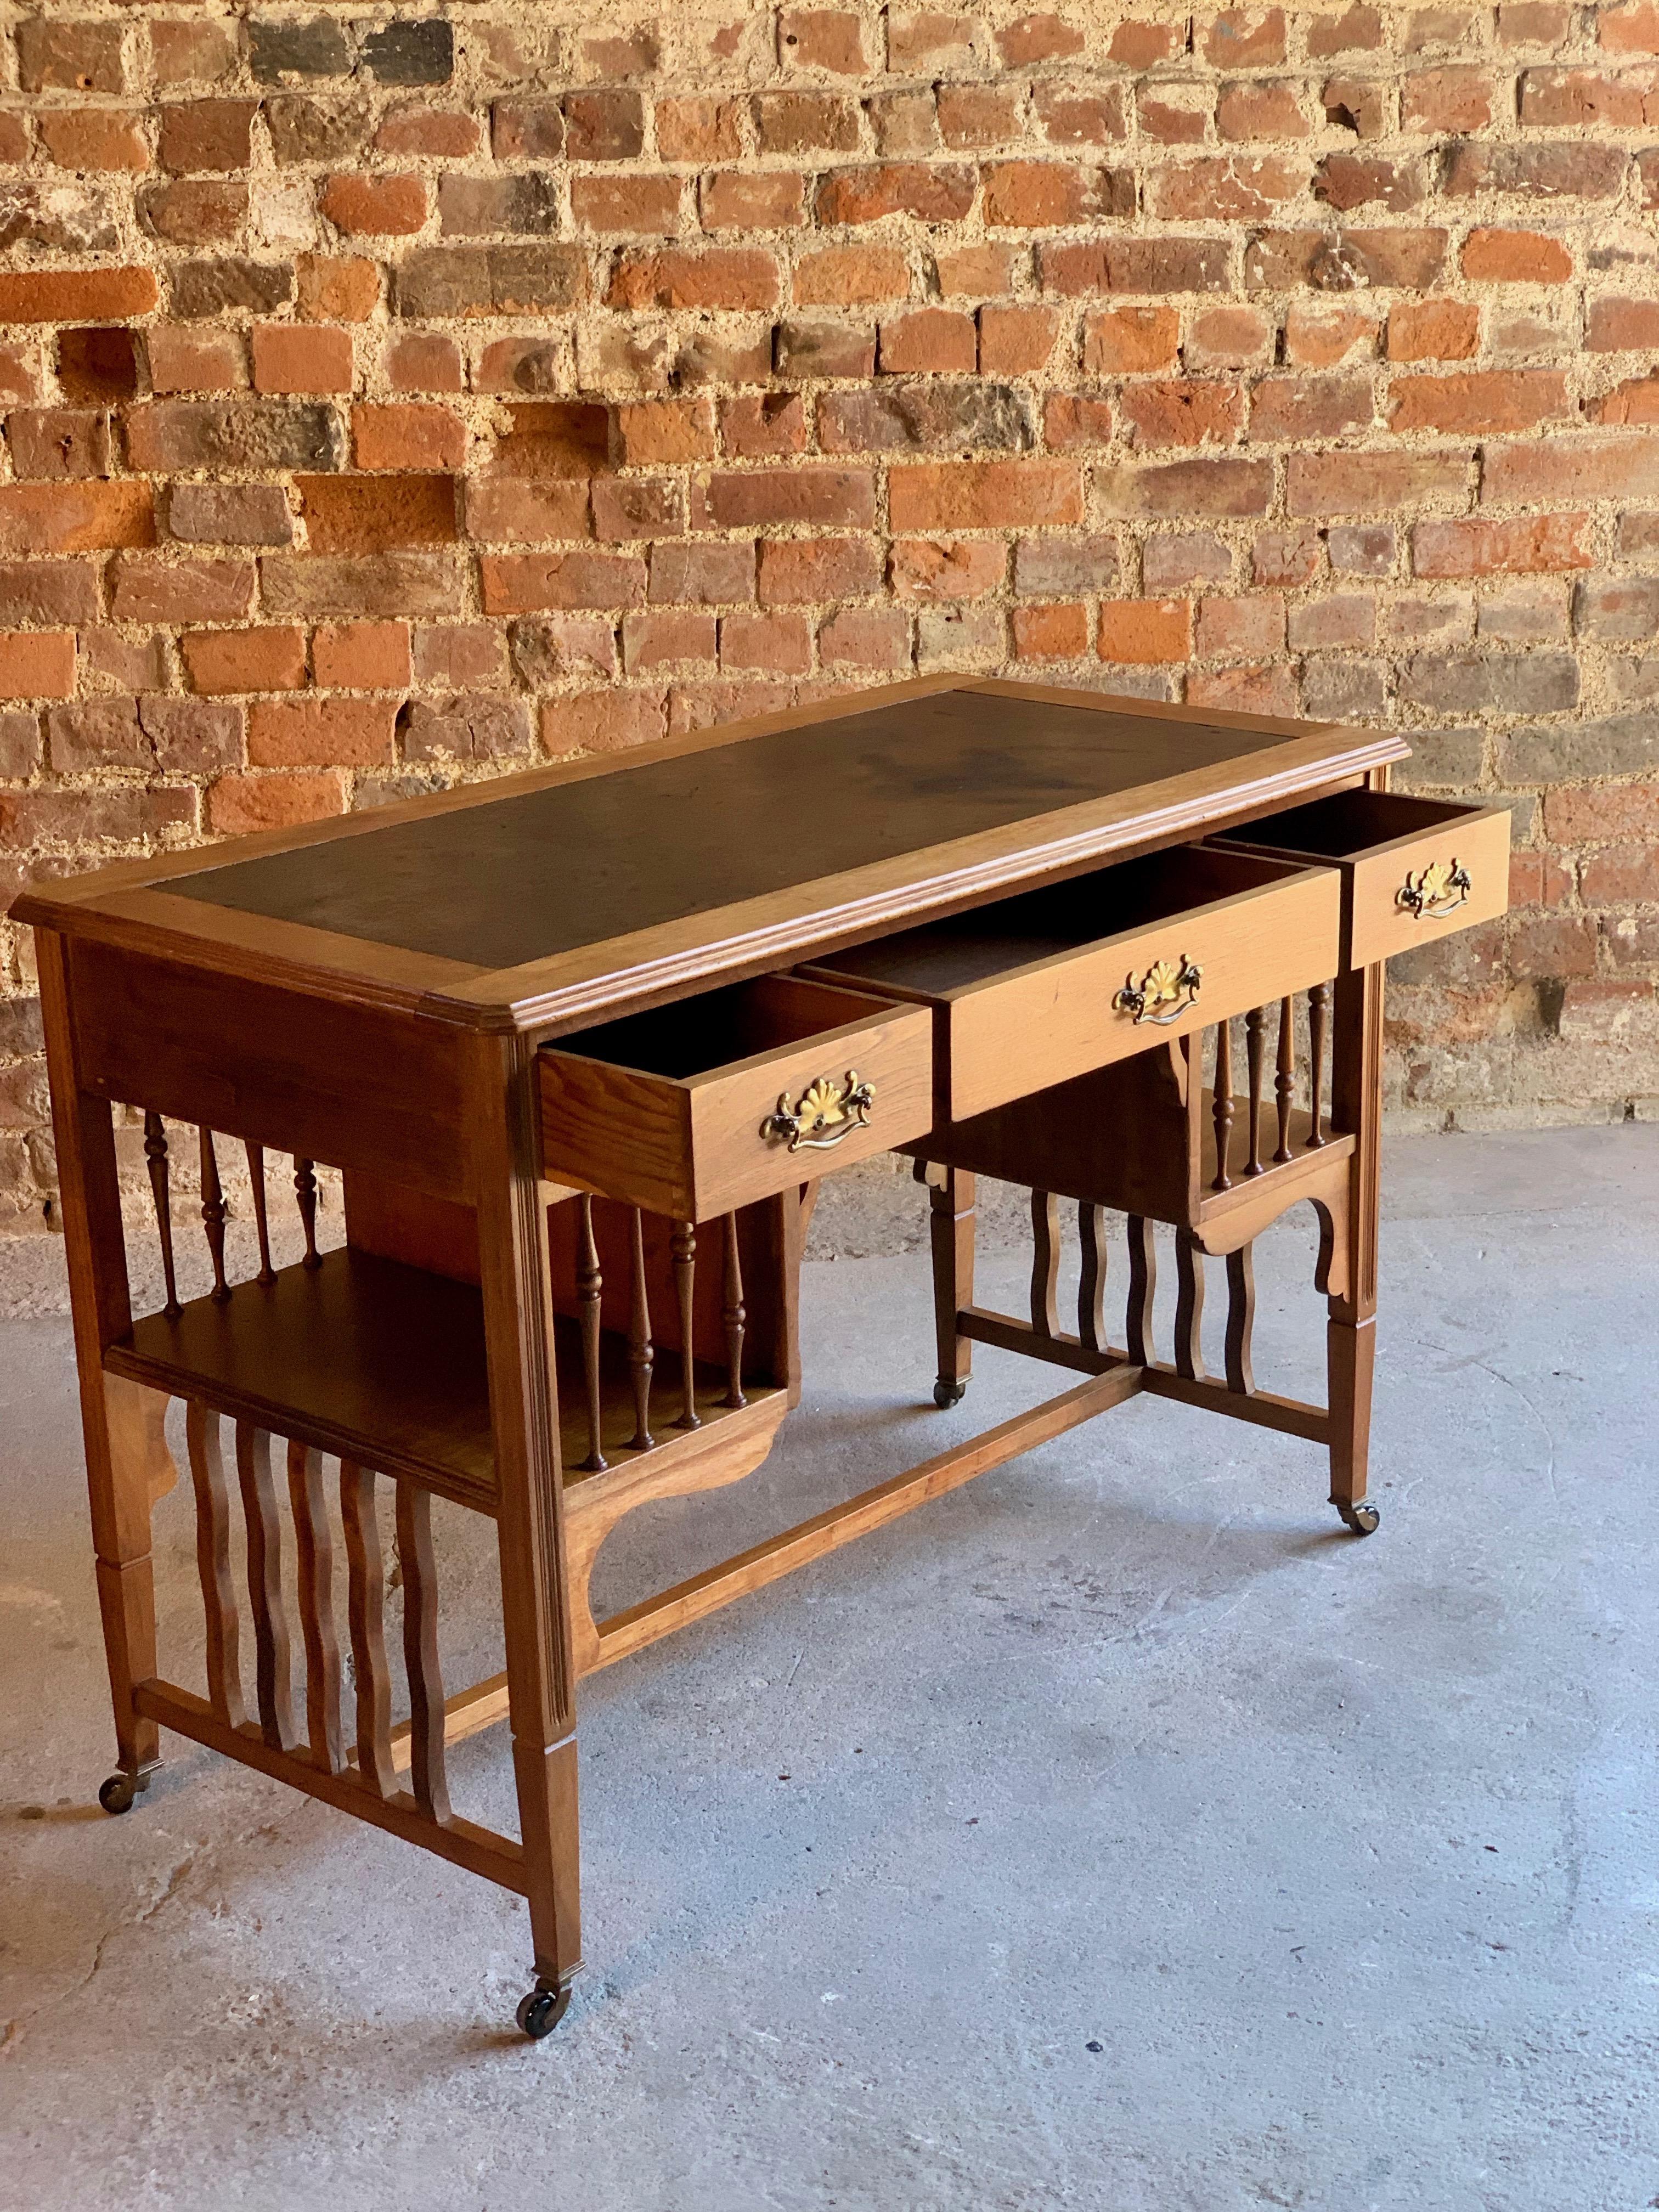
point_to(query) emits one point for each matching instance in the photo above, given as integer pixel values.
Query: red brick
(1044, 36)
(207, 134)
(627, 204)
(775, 643)
(372, 515)
(1632, 28)
(1074, 420)
(1135, 264)
(829, 38)
(865, 637)
(58, 56)
(508, 511)
(832, 498)
(407, 436)
(699, 128)
(1228, 337)
(805, 121)
(1192, 411)
(660, 432)
(75, 295)
(1321, 337)
(1433, 330)
(1143, 630)
(848, 276)
(80, 517)
(92, 139)
(638, 507)
(937, 192)
(1212, 486)
(1577, 468)
(424, 360)
(195, 360)
(929, 341)
(361, 656)
(983, 495)
(1225, 187)
(1345, 618)
(1599, 813)
(809, 571)
(947, 567)
(1255, 110)
(427, 133)
(148, 587)
(717, 575)
(1016, 341)
(601, 722)
(763, 425)
(975, 115)
(1303, 407)
(1515, 256)
(1248, 687)
(1621, 875)
(1372, 483)
(33, 594)
(753, 199)
(194, 210)
(664, 640)
(1047, 195)
(526, 583)
(974, 271)
(239, 803)
(1584, 99)
(1480, 400)
(221, 661)
(1636, 401)
(375, 207)
(59, 443)
(335, 288)
(331, 732)
(683, 276)
(1051, 632)
(1481, 546)
(1130, 340)
(1137, 44)
(1183, 120)
(37, 663)
(299, 357)
(1236, 627)
(1453, 101)
(1241, 38)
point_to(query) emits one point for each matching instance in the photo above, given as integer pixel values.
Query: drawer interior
(722, 1029)
(1349, 824)
(965, 949)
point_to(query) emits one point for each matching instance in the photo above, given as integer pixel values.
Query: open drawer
(694, 1109)
(1053, 983)
(1412, 869)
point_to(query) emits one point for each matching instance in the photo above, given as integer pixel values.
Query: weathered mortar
(400, 396)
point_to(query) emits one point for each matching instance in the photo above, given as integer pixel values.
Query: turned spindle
(155, 1158)
(305, 1193)
(641, 1355)
(1285, 1078)
(256, 1173)
(1253, 1043)
(590, 1285)
(1223, 1103)
(1319, 1000)
(683, 1251)
(213, 1215)
(733, 1314)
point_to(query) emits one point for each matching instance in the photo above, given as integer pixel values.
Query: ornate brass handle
(1163, 993)
(824, 1113)
(1440, 888)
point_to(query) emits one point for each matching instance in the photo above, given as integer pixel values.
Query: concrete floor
(1115, 1833)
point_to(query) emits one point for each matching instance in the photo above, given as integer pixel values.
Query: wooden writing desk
(582, 1043)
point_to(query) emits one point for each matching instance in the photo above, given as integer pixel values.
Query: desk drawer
(1412, 869)
(1053, 983)
(694, 1109)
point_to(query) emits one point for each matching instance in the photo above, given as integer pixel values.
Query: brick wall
(396, 397)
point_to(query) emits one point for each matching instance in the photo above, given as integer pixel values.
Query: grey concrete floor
(1115, 1833)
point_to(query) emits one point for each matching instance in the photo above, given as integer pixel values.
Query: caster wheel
(540, 2012)
(1362, 1518)
(949, 1393)
(117, 1795)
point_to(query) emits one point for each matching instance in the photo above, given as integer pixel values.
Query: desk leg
(950, 1231)
(535, 1587)
(1351, 1332)
(126, 1450)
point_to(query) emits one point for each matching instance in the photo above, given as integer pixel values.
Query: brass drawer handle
(1441, 888)
(824, 1113)
(1171, 984)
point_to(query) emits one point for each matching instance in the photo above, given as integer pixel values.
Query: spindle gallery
(582, 1045)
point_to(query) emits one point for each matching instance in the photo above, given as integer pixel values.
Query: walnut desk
(581, 1042)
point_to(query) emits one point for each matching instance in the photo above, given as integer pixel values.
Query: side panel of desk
(354, 1086)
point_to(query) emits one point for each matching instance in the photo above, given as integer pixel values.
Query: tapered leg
(1355, 1104)
(125, 1448)
(950, 1230)
(535, 1595)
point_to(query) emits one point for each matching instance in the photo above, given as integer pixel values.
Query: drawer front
(1424, 887)
(1020, 1032)
(694, 1148)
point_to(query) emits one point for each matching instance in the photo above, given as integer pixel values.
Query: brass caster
(118, 1793)
(540, 2012)
(1362, 1518)
(949, 1393)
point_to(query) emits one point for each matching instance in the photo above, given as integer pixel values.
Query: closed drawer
(1053, 983)
(694, 1109)
(1412, 869)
